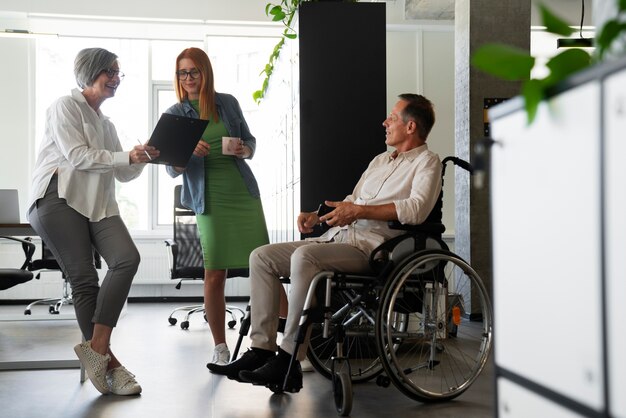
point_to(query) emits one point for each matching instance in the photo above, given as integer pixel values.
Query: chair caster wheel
(27, 312)
(184, 325)
(231, 324)
(52, 310)
(383, 381)
(172, 321)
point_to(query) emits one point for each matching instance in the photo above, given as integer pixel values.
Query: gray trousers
(70, 236)
(301, 261)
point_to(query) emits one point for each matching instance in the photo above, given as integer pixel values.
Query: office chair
(10, 277)
(47, 262)
(186, 260)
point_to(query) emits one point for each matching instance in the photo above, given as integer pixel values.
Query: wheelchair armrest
(426, 228)
(380, 257)
(27, 246)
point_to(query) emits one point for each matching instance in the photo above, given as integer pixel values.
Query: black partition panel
(342, 95)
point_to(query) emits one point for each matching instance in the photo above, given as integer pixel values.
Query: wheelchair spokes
(443, 349)
(351, 324)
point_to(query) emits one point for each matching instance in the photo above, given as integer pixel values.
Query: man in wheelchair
(400, 185)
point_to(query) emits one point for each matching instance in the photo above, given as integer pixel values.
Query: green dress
(233, 223)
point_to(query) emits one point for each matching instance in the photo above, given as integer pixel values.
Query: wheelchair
(422, 320)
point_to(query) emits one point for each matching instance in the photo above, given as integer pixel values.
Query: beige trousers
(300, 261)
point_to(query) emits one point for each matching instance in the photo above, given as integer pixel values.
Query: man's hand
(344, 213)
(306, 222)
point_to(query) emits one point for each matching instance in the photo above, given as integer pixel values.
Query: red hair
(207, 86)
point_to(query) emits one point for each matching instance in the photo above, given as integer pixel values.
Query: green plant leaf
(621, 4)
(566, 63)
(553, 23)
(533, 93)
(503, 61)
(609, 32)
(277, 13)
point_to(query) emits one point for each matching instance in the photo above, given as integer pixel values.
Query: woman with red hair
(219, 187)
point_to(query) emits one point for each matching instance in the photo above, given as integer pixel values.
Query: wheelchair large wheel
(359, 344)
(447, 319)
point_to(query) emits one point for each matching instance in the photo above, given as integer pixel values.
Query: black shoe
(250, 360)
(272, 374)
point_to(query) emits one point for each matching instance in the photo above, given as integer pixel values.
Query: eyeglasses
(182, 74)
(110, 72)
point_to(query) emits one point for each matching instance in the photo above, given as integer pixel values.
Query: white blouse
(82, 146)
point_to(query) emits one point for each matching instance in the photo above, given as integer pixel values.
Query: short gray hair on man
(89, 63)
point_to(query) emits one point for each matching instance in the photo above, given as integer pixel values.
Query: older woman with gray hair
(73, 209)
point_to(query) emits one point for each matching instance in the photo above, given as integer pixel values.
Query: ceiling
(568, 10)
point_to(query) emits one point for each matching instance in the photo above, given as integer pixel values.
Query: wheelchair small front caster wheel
(383, 381)
(27, 312)
(231, 324)
(184, 325)
(342, 391)
(52, 310)
(172, 321)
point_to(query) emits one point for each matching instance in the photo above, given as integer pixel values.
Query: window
(146, 92)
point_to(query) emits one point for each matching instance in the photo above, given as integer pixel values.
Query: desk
(20, 230)
(27, 230)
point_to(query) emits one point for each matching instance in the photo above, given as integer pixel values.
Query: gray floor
(170, 365)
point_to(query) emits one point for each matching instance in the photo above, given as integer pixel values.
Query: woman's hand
(142, 154)
(202, 149)
(242, 150)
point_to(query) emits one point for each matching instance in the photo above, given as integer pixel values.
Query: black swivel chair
(186, 260)
(47, 262)
(10, 277)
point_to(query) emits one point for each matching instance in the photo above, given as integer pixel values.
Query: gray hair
(89, 63)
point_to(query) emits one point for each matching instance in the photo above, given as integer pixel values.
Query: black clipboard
(176, 137)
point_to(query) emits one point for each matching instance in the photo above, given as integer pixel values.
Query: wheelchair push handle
(457, 161)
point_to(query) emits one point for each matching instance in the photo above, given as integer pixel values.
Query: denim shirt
(230, 114)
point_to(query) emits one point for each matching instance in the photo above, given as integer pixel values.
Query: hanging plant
(514, 64)
(282, 12)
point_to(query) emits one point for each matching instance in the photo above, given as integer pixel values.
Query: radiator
(152, 279)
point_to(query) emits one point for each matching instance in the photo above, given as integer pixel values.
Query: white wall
(420, 59)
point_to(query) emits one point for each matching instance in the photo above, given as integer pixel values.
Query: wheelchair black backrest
(427, 235)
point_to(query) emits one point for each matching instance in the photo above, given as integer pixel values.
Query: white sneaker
(95, 365)
(221, 355)
(122, 382)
